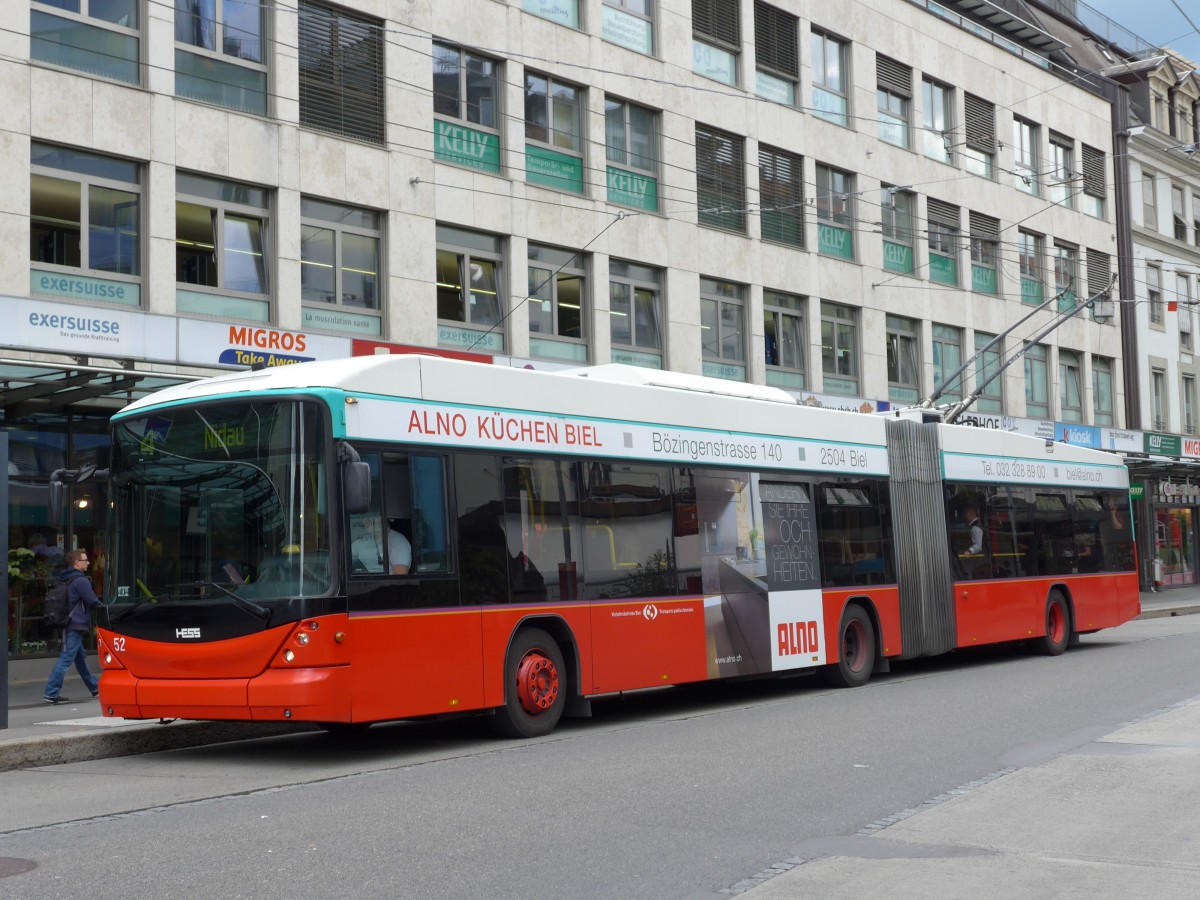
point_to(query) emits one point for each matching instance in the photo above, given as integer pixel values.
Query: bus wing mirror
(358, 487)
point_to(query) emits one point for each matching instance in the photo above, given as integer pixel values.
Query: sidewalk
(1113, 819)
(40, 734)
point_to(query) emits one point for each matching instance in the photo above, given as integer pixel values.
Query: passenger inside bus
(399, 547)
(974, 557)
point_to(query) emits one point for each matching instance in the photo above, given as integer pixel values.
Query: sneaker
(96, 692)
(58, 699)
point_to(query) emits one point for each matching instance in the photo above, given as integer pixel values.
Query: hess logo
(187, 633)
(650, 612)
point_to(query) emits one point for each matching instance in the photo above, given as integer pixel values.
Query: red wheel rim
(1056, 623)
(537, 682)
(854, 643)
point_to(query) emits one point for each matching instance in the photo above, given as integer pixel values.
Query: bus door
(403, 594)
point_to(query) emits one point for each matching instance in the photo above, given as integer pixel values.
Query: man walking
(81, 600)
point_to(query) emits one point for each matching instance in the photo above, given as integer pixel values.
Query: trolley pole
(963, 405)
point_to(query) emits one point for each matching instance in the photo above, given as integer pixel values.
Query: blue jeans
(72, 652)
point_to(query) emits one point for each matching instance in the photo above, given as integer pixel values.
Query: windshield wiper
(253, 608)
(126, 613)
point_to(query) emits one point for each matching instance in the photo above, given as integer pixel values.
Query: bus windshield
(226, 502)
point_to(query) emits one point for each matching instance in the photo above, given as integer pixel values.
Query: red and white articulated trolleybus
(392, 537)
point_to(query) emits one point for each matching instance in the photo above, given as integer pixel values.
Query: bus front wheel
(856, 650)
(1058, 625)
(534, 686)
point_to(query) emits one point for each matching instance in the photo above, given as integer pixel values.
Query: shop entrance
(1175, 544)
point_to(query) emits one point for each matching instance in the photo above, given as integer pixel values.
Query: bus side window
(429, 521)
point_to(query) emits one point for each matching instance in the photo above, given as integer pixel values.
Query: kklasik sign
(247, 344)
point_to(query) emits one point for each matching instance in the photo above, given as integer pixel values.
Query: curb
(1170, 611)
(130, 740)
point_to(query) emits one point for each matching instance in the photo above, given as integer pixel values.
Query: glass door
(1175, 544)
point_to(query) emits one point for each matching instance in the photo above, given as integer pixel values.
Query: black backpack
(58, 605)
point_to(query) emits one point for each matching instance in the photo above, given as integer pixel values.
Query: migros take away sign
(243, 345)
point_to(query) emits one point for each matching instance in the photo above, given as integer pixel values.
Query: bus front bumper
(277, 695)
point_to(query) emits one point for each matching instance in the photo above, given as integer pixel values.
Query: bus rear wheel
(856, 650)
(1058, 625)
(534, 686)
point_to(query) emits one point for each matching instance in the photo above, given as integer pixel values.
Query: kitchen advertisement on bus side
(793, 576)
(462, 426)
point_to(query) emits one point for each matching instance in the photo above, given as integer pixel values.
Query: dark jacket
(81, 598)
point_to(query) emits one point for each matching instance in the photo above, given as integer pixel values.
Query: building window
(557, 304)
(1070, 386)
(85, 217)
(839, 348)
(1158, 399)
(1095, 181)
(985, 253)
(830, 80)
(777, 53)
(785, 340)
(1189, 404)
(716, 39)
(1099, 271)
(720, 179)
(635, 314)
(470, 304)
(1066, 275)
(893, 94)
(1037, 382)
(340, 255)
(1025, 155)
(723, 329)
(466, 108)
(1102, 390)
(1178, 218)
(1183, 296)
(1154, 294)
(835, 212)
(938, 110)
(947, 360)
(896, 209)
(944, 233)
(629, 24)
(1196, 217)
(553, 133)
(100, 37)
(979, 153)
(341, 72)
(219, 53)
(631, 147)
(1149, 202)
(781, 195)
(221, 248)
(987, 365)
(1030, 250)
(564, 12)
(1061, 188)
(903, 359)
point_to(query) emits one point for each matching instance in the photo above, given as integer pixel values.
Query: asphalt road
(677, 794)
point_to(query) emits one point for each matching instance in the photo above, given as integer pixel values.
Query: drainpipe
(1125, 261)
